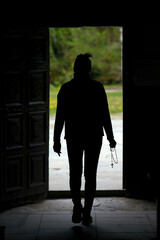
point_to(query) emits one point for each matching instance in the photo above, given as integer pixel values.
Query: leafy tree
(102, 42)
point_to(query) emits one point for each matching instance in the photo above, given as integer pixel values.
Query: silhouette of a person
(82, 106)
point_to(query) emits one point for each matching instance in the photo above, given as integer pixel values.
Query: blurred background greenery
(103, 43)
(105, 46)
(114, 96)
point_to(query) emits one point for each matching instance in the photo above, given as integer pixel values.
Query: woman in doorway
(82, 106)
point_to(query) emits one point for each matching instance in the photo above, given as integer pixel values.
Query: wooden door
(24, 111)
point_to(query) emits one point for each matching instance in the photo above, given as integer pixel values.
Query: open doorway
(105, 45)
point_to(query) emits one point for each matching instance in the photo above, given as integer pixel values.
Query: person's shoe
(77, 214)
(87, 220)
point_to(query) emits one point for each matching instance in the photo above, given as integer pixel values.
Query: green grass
(53, 99)
(114, 100)
(113, 86)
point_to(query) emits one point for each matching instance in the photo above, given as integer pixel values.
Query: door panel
(37, 87)
(14, 125)
(24, 109)
(37, 129)
(15, 167)
(37, 165)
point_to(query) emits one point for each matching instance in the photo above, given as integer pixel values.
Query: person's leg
(92, 151)
(75, 153)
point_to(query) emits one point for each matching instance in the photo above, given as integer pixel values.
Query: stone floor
(113, 218)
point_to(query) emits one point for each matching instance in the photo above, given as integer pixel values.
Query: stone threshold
(99, 193)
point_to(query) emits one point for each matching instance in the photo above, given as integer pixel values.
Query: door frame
(106, 193)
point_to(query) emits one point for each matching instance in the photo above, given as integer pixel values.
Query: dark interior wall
(141, 104)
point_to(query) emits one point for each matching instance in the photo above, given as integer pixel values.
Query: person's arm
(59, 122)
(107, 124)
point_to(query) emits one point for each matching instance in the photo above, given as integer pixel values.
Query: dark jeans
(91, 149)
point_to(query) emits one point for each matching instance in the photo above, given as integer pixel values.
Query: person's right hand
(57, 148)
(112, 143)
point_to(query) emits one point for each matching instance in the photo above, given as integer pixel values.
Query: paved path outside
(108, 178)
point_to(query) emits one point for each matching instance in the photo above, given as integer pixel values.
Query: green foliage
(102, 42)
